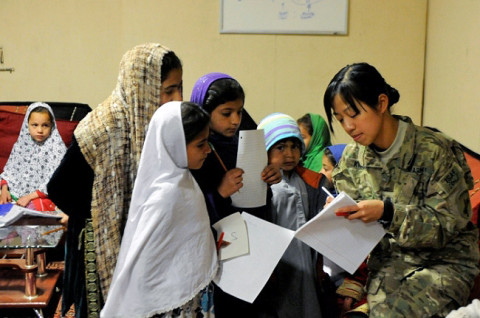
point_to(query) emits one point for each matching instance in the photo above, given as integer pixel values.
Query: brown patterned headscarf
(111, 139)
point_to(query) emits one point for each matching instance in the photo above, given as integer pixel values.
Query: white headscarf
(167, 255)
(31, 164)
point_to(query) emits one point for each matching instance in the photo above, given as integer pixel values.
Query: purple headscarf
(201, 86)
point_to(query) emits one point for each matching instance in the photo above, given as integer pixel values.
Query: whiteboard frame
(277, 25)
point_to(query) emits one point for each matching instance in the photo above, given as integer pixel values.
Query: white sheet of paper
(235, 232)
(345, 242)
(252, 158)
(245, 276)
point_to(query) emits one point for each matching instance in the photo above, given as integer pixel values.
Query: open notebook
(9, 213)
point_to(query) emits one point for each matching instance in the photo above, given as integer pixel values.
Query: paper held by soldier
(345, 242)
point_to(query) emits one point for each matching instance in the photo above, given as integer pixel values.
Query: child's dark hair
(222, 91)
(170, 61)
(359, 82)
(194, 120)
(44, 110)
(330, 156)
(294, 140)
(306, 121)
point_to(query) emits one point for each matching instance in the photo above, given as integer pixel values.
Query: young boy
(296, 199)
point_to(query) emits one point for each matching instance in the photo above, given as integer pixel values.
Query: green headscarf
(312, 159)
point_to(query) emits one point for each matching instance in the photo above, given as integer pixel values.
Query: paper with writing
(245, 276)
(235, 231)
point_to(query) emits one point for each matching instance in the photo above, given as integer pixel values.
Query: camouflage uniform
(426, 263)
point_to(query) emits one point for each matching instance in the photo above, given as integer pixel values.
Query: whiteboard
(284, 16)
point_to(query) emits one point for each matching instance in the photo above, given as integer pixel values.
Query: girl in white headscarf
(167, 257)
(34, 157)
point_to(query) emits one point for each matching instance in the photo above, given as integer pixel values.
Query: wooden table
(24, 280)
(12, 290)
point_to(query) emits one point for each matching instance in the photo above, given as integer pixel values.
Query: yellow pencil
(218, 157)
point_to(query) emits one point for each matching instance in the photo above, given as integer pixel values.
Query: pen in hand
(328, 192)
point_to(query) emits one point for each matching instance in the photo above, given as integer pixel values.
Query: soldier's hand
(367, 211)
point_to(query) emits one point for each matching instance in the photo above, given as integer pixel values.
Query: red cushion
(474, 165)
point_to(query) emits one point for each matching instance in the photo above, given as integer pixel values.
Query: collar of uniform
(407, 153)
(368, 157)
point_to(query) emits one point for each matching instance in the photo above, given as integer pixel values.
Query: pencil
(218, 157)
(55, 230)
(220, 240)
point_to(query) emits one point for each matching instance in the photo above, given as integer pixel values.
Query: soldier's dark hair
(170, 61)
(222, 91)
(306, 121)
(194, 120)
(359, 82)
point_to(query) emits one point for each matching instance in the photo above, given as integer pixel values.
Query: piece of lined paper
(252, 158)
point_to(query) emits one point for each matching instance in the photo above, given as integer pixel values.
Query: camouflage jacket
(428, 182)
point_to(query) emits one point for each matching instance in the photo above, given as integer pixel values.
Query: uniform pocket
(406, 187)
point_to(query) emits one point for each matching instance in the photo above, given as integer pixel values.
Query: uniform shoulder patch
(449, 181)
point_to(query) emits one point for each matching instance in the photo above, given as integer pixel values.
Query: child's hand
(64, 219)
(5, 196)
(23, 201)
(271, 174)
(327, 202)
(231, 182)
(347, 304)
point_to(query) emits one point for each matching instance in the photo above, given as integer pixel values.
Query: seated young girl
(167, 256)
(34, 157)
(32, 161)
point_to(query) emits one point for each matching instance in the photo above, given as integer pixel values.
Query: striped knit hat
(278, 126)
